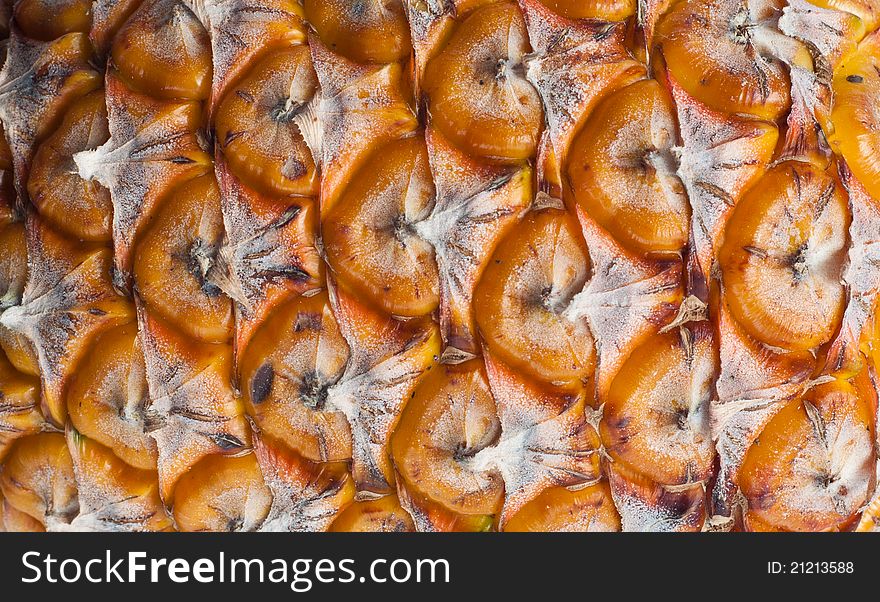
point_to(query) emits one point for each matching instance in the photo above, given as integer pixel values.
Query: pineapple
(439, 265)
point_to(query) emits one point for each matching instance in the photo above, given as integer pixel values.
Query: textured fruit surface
(524, 292)
(374, 31)
(450, 419)
(80, 208)
(286, 379)
(163, 51)
(222, 494)
(439, 265)
(655, 418)
(38, 478)
(603, 10)
(808, 469)
(172, 259)
(476, 91)
(783, 255)
(855, 115)
(50, 19)
(624, 174)
(258, 129)
(716, 51)
(370, 236)
(108, 395)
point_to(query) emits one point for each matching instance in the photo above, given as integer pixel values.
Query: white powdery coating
(567, 62)
(619, 300)
(245, 502)
(468, 423)
(823, 28)
(101, 11)
(104, 505)
(308, 120)
(843, 452)
(751, 388)
(639, 517)
(179, 37)
(642, 510)
(328, 355)
(463, 235)
(816, 296)
(260, 250)
(372, 401)
(375, 384)
(542, 443)
(115, 161)
(554, 273)
(426, 19)
(123, 390)
(188, 417)
(30, 81)
(54, 313)
(861, 276)
(390, 214)
(358, 105)
(475, 207)
(238, 28)
(686, 447)
(141, 152)
(50, 486)
(192, 407)
(717, 160)
(300, 502)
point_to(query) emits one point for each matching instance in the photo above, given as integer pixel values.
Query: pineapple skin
(416, 265)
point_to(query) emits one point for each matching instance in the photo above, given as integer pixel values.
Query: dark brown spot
(261, 385)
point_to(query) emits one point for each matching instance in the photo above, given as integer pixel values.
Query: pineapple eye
(81, 209)
(366, 31)
(20, 414)
(107, 402)
(659, 400)
(523, 295)
(449, 419)
(164, 51)
(222, 494)
(558, 509)
(260, 125)
(710, 50)
(288, 378)
(793, 461)
(371, 238)
(783, 256)
(382, 515)
(38, 479)
(174, 261)
(477, 92)
(622, 171)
